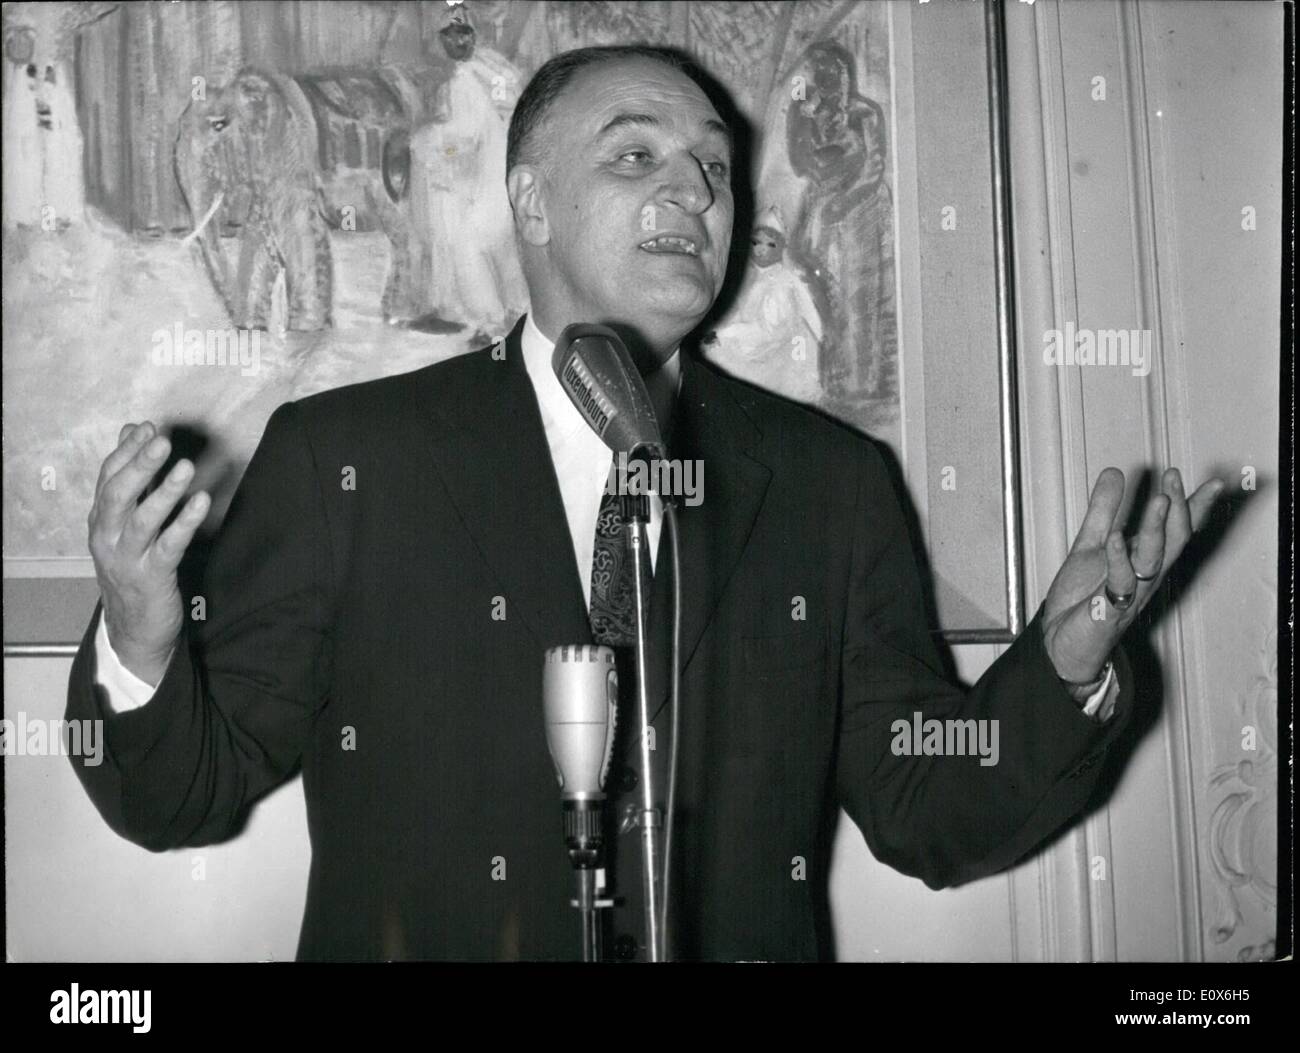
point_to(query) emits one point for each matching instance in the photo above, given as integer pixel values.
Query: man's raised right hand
(134, 562)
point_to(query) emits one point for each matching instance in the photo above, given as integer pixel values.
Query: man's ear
(524, 185)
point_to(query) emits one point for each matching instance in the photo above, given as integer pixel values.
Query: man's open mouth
(681, 246)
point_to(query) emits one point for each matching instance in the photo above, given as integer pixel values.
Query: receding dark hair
(549, 82)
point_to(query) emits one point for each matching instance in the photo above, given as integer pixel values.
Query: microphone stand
(636, 518)
(582, 823)
(590, 924)
(590, 900)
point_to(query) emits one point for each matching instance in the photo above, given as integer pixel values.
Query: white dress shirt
(582, 460)
(582, 464)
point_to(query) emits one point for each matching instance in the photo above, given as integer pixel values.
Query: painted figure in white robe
(461, 217)
(772, 337)
(43, 184)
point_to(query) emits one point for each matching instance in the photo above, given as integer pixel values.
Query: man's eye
(636, 156)
(717, 169)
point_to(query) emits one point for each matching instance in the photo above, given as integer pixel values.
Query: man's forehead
(610, 95)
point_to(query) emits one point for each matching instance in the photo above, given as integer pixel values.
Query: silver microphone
(597, 373)
(580, 707)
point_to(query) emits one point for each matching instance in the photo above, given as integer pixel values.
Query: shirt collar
(557, 410)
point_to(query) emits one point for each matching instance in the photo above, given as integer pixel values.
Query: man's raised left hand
(1106, 580)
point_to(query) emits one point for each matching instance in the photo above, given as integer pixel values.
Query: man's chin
(652, 334)
(680, 300)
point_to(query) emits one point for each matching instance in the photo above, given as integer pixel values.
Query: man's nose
(686, 186)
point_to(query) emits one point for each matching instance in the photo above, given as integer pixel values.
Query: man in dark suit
(398, 558)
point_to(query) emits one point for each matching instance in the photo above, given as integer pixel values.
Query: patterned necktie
(613, 592)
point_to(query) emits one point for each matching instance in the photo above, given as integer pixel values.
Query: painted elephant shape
(285, 159)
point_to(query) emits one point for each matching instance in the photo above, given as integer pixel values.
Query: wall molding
(1052, 892)
(1157, 284)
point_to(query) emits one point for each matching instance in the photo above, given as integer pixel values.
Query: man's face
(636, 190)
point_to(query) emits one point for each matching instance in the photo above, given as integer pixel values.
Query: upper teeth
(676, 243)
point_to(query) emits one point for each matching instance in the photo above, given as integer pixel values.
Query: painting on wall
(212, 208)
(816, 318)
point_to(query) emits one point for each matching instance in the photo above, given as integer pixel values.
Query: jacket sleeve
(230, 718)
(948, 819)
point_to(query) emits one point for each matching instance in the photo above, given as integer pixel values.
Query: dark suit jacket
(368, 613)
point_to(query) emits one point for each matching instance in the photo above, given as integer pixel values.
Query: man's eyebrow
(625, 120)
(715, 125)
(648, 120)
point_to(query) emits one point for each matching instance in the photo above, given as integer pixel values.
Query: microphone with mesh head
(579, 706)
(598, 375)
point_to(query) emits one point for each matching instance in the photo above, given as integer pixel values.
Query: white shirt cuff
(124, 689)
(1101, 703)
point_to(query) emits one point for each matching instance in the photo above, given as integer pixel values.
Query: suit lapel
(712, 426)
(490, 449)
